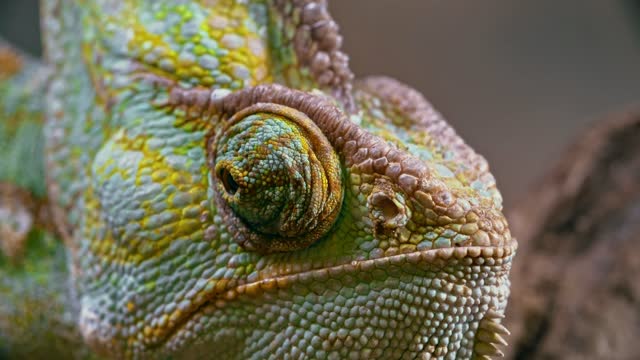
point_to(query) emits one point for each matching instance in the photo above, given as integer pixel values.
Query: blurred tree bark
(576, 279)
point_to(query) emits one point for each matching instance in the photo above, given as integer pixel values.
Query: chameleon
(207, 179)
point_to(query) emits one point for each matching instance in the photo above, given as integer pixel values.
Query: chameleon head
(219, 218)
(278, 177)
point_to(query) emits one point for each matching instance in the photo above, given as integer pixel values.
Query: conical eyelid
(322, 148)
(310, 212)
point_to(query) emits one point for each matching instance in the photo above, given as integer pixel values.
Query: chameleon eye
(228, 182)
(278, 176)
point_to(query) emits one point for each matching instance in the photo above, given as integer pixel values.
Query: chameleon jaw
(180, 332)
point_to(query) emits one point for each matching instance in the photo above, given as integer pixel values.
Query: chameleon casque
(205, 179)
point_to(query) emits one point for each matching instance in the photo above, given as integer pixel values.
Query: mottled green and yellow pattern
(219, 187)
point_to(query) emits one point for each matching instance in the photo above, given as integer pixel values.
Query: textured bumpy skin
(224, 189)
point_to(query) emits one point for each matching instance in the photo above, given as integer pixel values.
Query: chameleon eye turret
(279, 176)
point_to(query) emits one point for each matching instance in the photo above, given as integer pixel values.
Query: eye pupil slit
(229, 183)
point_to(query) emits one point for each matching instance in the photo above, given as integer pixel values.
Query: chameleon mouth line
(487, 255)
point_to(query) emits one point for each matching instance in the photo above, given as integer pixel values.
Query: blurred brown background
(518, 79)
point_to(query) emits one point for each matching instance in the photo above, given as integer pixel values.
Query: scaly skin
(223, 189)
